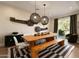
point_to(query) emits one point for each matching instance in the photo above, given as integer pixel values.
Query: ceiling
(53, 8)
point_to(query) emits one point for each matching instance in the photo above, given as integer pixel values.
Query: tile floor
(75, 52)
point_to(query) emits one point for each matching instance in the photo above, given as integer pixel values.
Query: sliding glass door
(63, 26)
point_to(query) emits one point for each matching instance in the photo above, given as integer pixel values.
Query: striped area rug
(18, 53)
(56, 51)
(53, 51)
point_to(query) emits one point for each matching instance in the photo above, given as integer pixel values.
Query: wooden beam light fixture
(28, 22)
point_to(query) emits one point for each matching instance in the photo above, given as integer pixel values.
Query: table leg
(61, 43)
(34, 54)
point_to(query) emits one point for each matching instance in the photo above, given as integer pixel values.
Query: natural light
(64, 25)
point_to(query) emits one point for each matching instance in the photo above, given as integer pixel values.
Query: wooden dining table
(35, 49)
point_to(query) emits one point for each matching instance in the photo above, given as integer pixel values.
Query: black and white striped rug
(53, 51)
(18, 53)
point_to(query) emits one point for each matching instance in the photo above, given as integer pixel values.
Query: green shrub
(61, 32)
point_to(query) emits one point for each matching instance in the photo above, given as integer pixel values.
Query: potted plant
(61, 32)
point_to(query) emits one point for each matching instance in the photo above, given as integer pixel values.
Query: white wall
(7, 27)
(51, 25)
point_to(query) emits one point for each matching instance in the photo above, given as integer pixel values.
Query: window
(64, 25)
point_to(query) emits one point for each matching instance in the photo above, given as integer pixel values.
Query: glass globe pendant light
(44, 19)
(35, 17)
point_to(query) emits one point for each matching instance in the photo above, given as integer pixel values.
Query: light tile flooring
(74, 53)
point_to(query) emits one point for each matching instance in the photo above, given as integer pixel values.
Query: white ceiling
(53, 8)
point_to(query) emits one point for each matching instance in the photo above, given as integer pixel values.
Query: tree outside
(64, 25)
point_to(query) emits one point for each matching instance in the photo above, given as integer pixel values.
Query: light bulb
(44, 19)
(35, 17)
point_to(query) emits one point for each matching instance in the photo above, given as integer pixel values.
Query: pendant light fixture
(44, 19)
(35, 17)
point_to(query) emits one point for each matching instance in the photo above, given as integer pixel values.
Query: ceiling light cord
(35, 17)
(35, 6)
(44, 8)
